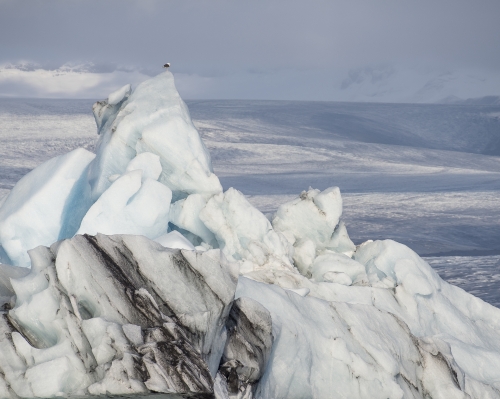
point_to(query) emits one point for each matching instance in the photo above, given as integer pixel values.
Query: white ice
(149, 163)
(6, 273)
(153, 119)
(243, 233)
(83, 335)
(185, 214)
(119, 95)
(46, 205)
(130, 206)
(174, 239)
(405, 332)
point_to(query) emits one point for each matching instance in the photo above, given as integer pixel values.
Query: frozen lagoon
(425, 175)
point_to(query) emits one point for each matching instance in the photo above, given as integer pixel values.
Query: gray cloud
(234, 42)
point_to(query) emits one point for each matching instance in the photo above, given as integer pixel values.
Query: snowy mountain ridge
(395, 84)
(250, 307)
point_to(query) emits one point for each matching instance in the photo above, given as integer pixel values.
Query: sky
(274, 49)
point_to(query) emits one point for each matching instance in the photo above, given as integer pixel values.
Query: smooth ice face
(149, 163)
(174, 239)
(119, 95)
(185, 214)
(315, 354)
(46, 205)
(153, 119)
(341, 242)
(130, 206)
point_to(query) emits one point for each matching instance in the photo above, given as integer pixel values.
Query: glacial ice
(153, 118)
(119, 95)
(145, 277)
(185, 214)
(109, 314)
(419, 336)
(247, 238)
(6, 273)
(46, 205)
(313, 216)
(148, 163)
(248, 345)
(130, 206)
(174, 239)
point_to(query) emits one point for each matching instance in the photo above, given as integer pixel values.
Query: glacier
(131, 272)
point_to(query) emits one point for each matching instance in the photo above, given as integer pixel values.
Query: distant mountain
(486, 100)
(395, 84)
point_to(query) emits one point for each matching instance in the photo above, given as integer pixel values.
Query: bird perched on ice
(166, 65)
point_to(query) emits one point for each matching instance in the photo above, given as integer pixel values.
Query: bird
(166, 65)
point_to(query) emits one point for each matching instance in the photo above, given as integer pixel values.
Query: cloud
(256, 49)
(202, 36)
(382, 83)
(67, 81)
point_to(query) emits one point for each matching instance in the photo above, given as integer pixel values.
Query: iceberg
(131, 272)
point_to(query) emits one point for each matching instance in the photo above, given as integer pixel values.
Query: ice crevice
(131, 272)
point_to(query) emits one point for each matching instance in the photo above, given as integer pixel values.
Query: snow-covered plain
(425, 175)
(314, 314)
(479, 275)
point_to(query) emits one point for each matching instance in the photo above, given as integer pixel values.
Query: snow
(172, 285)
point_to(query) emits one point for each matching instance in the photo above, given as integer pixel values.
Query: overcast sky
(254, 49)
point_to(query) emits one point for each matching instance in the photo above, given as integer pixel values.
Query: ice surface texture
(150, 307)
(110, 314)
(153, 118)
